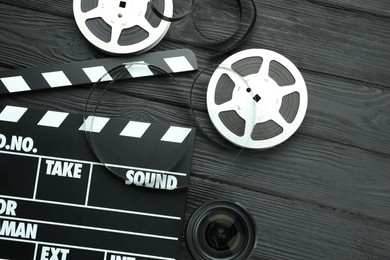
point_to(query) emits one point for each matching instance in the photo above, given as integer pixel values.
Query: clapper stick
(86, 72)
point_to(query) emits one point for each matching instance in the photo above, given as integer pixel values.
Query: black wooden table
(325, 192)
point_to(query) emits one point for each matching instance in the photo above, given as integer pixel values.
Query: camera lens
(221, 230)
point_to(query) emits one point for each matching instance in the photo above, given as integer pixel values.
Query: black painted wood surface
(324, 193)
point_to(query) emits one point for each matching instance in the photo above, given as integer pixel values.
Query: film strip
(57, 199)
(102, 150)
(218, 47)
(86, 72)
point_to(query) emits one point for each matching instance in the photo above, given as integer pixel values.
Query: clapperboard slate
(57, 201)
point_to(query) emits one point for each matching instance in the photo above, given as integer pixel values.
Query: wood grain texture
(374, 8)
(323, 194)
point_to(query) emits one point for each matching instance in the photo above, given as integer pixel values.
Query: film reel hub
(257, 99)
(125, 13)
(121, 26)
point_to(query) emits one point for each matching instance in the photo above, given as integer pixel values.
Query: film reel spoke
(94, 13)
(279, 119)
(298, 87)
(287, 90)
(145, 24)
(249, 127)
(233, 75)
(227, 106)
(115, 35)
(264, 69)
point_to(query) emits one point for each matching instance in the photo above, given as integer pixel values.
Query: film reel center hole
(248, 90)
(257, 98)
(122, 4)
(120, 15)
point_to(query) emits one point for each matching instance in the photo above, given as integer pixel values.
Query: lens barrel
(221, 230)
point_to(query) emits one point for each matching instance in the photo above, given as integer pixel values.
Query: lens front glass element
(221, 230)
(224, 234)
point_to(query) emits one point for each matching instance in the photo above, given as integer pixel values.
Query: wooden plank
(61, 8)
(349, 112)
(289, 229)
(311, 170)
(48, 40)
(376, 7)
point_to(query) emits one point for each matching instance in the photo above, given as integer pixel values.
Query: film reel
(257, 99)
(122, 26)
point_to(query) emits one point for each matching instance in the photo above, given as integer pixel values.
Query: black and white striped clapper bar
(57, 201)
(84, 72)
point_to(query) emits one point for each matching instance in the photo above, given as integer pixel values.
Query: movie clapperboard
(57, 201)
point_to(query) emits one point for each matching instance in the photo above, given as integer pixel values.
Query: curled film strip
(199, 12)
(122, 27)
(257, 99)
(94, 111)
(135, 26)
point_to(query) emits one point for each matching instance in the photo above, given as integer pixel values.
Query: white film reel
(257, 99)
(122, 26)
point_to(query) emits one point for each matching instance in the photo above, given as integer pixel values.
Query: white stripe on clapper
(53, 119)
(95, 73)
(138, 69)
(94, 124)
(56, 79)
(135, 129)
(12, 114)
(176, 134)
(179, 64)
(15, 84)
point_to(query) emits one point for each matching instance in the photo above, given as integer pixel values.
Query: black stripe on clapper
(73, 74)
